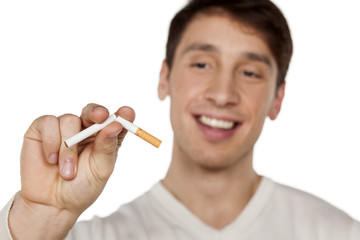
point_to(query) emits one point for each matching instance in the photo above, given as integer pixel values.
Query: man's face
(222, 86)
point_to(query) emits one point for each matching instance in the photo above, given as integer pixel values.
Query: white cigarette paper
(114, 117)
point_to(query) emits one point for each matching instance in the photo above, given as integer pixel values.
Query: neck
(216, 196)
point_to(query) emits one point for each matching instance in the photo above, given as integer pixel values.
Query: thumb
(107, 143)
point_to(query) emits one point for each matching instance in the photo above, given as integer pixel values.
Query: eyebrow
(205, 47)
(257, 57)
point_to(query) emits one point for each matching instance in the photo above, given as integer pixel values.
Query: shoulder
(306, 203)
(311, 213)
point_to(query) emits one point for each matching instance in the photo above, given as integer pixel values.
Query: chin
(213, 161)
(214, 157)
(214, 166)
(220, 159)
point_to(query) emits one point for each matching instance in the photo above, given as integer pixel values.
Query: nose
(221, 90)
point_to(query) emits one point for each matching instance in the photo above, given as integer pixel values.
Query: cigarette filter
(138, 131)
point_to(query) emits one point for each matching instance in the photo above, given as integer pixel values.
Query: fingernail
(101, 108)
(53, 158)
(68, 169)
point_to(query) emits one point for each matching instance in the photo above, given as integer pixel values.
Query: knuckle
(48, 119)
(44, 120)
(111, 151)
(89, 106)
(40, 125)
(70, 119)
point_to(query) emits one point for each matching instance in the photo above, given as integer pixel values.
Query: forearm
(36, 221)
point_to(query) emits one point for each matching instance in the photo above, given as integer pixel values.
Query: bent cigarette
(114, 117)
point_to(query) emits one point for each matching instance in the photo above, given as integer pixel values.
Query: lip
(216, 134)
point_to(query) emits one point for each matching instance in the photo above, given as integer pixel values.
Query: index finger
(45, 129)
(93, 113)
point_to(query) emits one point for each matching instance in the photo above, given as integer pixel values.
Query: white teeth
(216, 123)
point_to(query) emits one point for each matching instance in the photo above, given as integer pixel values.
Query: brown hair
(261, 15)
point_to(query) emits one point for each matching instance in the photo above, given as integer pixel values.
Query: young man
(224, 72)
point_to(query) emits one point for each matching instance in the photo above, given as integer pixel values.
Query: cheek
(180, 96)
(182, 83)
(185, 89)
(258, 101)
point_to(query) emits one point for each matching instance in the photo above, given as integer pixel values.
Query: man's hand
(59, 183)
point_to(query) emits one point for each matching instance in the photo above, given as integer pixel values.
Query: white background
(57, 56)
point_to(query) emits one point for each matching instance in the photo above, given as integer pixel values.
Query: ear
(276, 106)
(163, 87)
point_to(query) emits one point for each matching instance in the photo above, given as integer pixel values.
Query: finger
(93, 113)
(69, 126)
(46, 130)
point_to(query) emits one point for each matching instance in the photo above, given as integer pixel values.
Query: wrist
(28, 220)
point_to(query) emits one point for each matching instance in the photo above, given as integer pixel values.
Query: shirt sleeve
(4, 223)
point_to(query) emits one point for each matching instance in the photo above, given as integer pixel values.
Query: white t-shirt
(275, 212)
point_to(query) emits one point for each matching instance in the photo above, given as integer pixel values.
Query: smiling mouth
(217, 123)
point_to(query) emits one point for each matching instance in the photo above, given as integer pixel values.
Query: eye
(250, 74)
(200, 65)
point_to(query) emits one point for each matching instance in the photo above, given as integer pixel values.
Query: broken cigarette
(114, 117)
